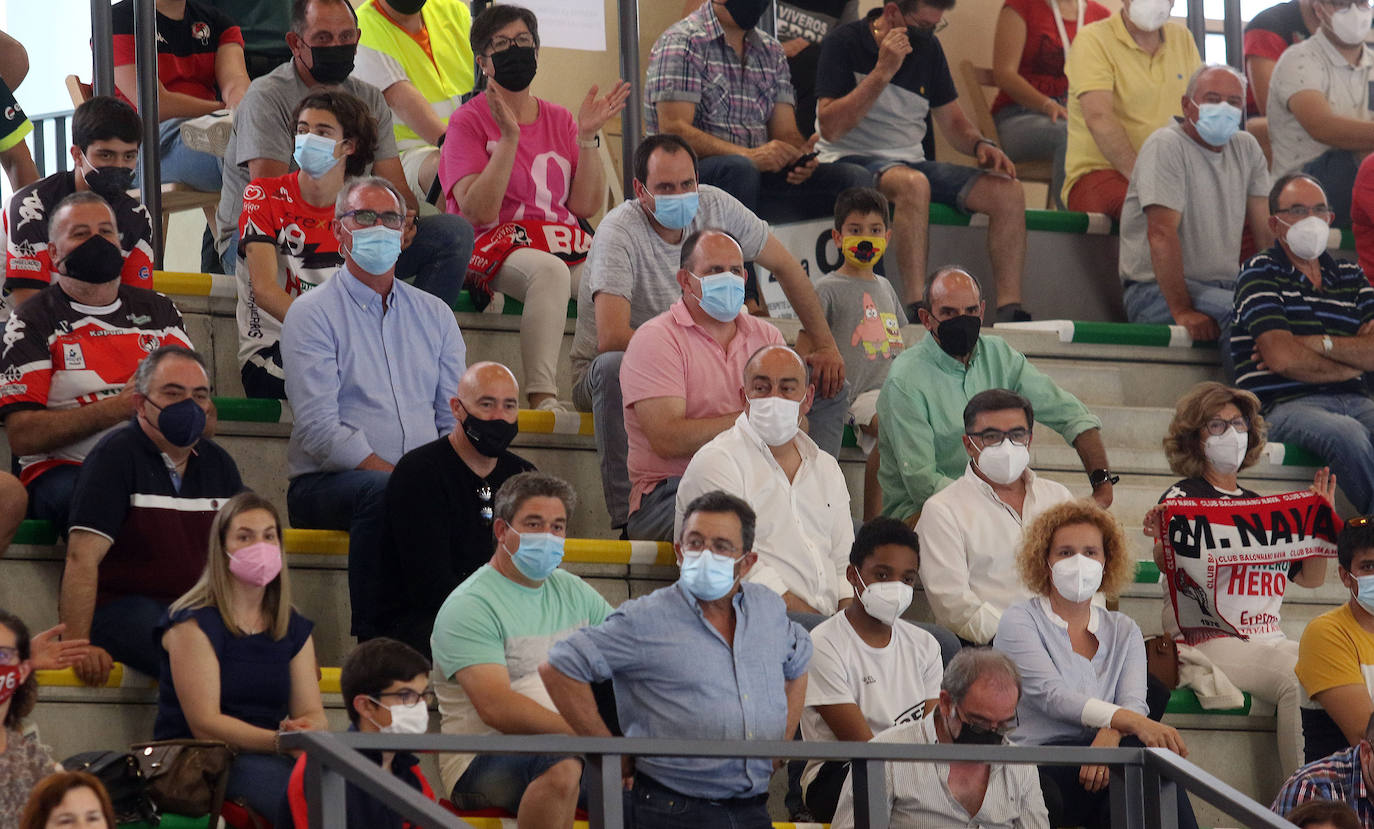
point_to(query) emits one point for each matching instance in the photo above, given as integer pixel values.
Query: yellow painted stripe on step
(66, 678)
(602, 551)
(316, 542)
(555, 423)
(194, 284)
(329, 680)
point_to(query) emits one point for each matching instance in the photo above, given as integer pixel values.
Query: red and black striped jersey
(186, 48)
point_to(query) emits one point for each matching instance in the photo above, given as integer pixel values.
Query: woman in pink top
(523, 171)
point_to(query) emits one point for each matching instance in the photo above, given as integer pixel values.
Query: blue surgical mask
(1364, 592)
(375, 248)
(706, 575)
(677, 211)
(315, 154)
(1216, 123)
(722, 295)
(538, 555)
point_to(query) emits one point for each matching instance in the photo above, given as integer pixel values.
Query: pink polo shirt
(672, 356)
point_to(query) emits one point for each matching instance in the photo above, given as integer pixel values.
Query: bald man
(439, 503)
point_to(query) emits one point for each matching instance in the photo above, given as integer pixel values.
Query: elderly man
(324, 41)
(708, 658)
(141, 516)
(680, 376)
(1342, 777)
(1126, 76)
(877, 81)
(1195, 184)
(70, 351)
(970, 529)
(1318, 105)
(370, 365)
(922, 403)
(1302, 338)
(629, 280)
(978, 698)
(438, 502)
(491, 635)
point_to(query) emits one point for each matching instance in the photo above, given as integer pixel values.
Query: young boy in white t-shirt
(870, 670)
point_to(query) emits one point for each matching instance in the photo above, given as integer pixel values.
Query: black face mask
(919, 34)
(332, 64)
(972, 735)
(406, 6)
(958, 335)
(96, 260)
(514, 67)
(489, 437)
(746, 13)
(111, 182)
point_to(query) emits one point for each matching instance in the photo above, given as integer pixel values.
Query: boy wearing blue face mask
(489, 638)
(1195, 184)
(1336, 654)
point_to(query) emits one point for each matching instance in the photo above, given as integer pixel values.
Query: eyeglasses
(1002, 728)
(368, 218)
(937, 28)
(484, 511)
(994, 437)
(1302, 211)
(501, 44)
(409, 697)
(9, 656)
(1217, 426)
(717, 547)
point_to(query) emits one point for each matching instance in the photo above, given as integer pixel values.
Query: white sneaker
(208, 133)
(553, 404)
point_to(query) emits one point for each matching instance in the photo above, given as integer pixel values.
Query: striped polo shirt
(1272, 295)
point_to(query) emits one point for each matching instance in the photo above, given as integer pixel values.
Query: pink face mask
(11, 677)
(256, 564)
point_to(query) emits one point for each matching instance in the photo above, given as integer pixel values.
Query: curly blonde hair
(1033, 559)
(1183, 443)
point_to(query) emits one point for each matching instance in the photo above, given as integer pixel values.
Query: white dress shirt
(969, 538)
(804, 528)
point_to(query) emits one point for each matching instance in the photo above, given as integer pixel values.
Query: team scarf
(1232, 549)
(568, 242)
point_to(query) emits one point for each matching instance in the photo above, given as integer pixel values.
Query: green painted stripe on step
(1121, 333)
(251, 410)
(40, 533)
(1294, 455)
(1051, 221)
(1146, 572)
(1184, 701)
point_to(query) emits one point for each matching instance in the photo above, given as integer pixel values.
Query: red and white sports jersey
(60, 354)
(275, 213)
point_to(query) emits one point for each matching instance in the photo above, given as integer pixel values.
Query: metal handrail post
(102, 48)
(1161, 800)
(1232, 26)
(1128, 795)
(632, 117)
(1197, 24)
(869, 807)
(326, 787)
(145, 60)
(605, 798)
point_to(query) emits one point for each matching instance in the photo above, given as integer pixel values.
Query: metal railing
(1144, 781)
(56, 126)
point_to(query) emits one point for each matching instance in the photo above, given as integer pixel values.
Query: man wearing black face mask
(141, 515)
(930, 383)
(978, 699)
(106, 134)
(439, 504)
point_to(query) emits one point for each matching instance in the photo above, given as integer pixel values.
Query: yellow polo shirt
(1146, 89)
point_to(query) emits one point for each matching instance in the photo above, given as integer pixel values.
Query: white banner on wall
(808, 241)
(570, 24)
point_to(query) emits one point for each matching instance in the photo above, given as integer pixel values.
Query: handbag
(186, 777)
(1161, 660)
(123, 780)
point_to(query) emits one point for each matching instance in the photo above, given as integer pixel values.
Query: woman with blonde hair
(1082, 667)
(239, 662)
(1217, 431)
(67, 800)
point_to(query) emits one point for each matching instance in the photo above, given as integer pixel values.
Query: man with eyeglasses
(879, 82)
(970, 530)
(439, 502)
(978, 698)
(1319, 102)
(370, 366)
(712, 657)
(1303, 339)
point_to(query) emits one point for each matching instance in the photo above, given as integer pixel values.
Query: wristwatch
(1327, 345)
(987, 141)
(1098, 477)
(590, 144)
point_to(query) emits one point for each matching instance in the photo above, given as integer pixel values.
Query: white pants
(1264, 667)
(544, 283)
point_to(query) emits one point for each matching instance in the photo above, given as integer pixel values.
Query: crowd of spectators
(384, 158)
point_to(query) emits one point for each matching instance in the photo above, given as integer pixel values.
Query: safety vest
(442, 81)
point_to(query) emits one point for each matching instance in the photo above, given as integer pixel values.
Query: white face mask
(1077, 577)
(775, 419)
(886, 601)
(408, 719)
(1150, 15)
(1226, 450)
(1308, 237)
(1004, 463)
(1351, 25)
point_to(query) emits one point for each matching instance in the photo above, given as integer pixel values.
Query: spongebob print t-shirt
(867, 320)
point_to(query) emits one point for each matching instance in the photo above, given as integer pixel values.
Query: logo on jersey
(64, 327)
(140, 319)
(12, 375)
(11, 113)
(17, 264)
(30, 210)
(149, 342)
(72, 357)
(145, 274)
(253, 192)
(14, 331)
(200, 30)
(293, 237)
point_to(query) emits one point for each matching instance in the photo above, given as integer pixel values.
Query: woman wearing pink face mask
(239, 662)
(23, 760)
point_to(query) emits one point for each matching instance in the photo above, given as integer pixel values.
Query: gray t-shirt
(1209, 188)
(867, 321)
(629, 259)
(263, 129)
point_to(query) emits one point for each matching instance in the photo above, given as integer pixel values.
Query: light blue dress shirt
(676, 677)
(366, 376)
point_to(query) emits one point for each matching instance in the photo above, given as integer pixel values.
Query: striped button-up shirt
(1337, 778)
(734, 99)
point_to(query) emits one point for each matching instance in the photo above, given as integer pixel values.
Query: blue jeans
(125, 627)
(825, 421)
(1336, 428)
(653, 521)
(771, 197)
(1028, 135)
(499, 781)
(178, 162)
(352, 501)
(1336, 170)
(50, 495)
(950, 184)
(598, 392)
(1145, 303)
(655, 806)
(260, 781)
